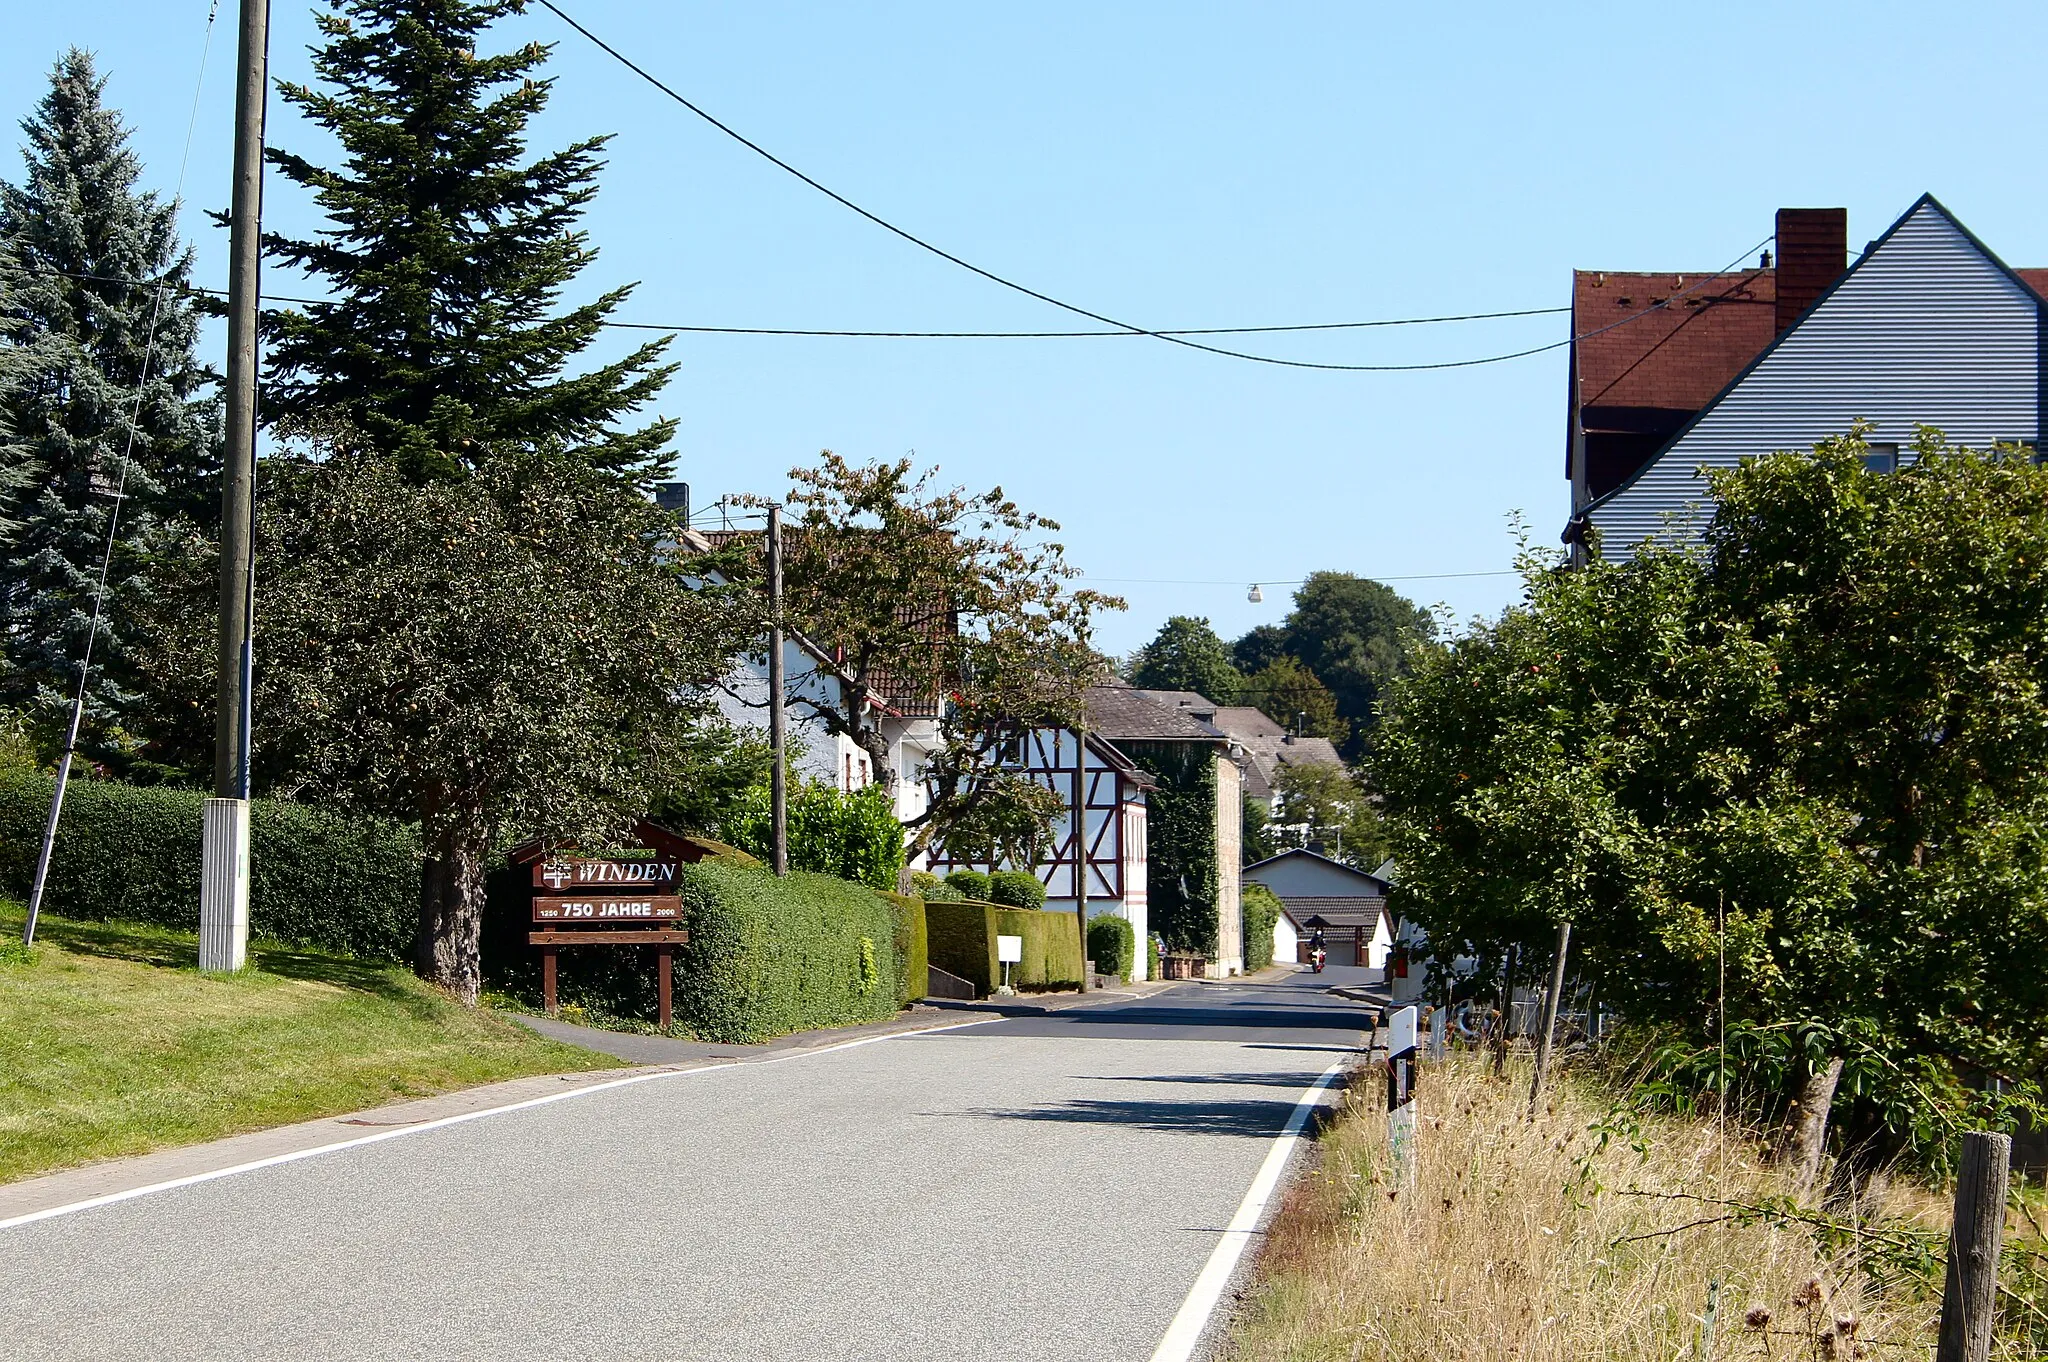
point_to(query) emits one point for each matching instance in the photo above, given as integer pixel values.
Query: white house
(1348, 905)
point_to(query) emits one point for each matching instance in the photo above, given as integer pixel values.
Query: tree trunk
(448, 952)
(871, 741)
(1806, 1124)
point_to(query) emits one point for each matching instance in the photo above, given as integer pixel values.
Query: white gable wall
(1926, 331)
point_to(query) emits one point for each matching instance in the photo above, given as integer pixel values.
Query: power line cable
(991, 275)
(895, 335)
(99, 597)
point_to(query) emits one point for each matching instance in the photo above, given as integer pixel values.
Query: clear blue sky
(1176, 165)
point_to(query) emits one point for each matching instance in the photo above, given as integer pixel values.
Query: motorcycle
(1316, 958)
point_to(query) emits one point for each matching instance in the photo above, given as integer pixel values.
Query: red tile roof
(1679, 356)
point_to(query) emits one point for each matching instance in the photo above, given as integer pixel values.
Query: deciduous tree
(1291, 696)
(1186, 654)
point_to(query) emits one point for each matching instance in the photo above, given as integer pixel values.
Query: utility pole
(1081, 833)
(778, 779)
(224, 874)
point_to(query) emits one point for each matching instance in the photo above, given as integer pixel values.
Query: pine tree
(446, 253)
(101, 331)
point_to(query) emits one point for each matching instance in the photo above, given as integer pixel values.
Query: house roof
(1635, 371)
(1342, 912)
(1377, 885)
(2032, 279)
(1127, 714)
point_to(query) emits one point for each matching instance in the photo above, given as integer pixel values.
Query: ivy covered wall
(1182, 874)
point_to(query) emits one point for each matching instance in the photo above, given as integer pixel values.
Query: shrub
(770, 956)
(1052, 947)
(932, 889)
(970, 884)
(317, 878)
(854, 836)
(1016, 889)
(1261, 912)
(1112, 945)
(961, 939)
(912, 949)
(1151, 957)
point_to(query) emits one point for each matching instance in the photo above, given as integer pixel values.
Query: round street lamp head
(1255, 595)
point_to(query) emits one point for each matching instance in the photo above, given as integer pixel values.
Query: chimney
(1813, 250)
(674, 496)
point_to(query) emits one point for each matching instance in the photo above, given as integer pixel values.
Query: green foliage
(1052, 948)
(1182, 877)
(961, 936)
(932, 889)
(1325, 804)
(853, 835)
(972, 884)
(317, 878)
(911, 948)
(1354, 634)
(1152, 957)
(714, 774)
(1806, 770)
(770, 956)
(1186, 654)
(1290, 695)
(445, 253)
(1016, 889)
(79, 240)
(1112, 945)
(1261, 912)
(1259, 838)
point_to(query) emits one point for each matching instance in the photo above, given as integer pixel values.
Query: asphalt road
(1040, 1187)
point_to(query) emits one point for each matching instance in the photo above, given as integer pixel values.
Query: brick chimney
(1813, 250)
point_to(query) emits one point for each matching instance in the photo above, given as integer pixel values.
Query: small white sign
(1009, 950)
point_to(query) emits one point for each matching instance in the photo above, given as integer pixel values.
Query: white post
(1401, 1092)
(224, 886)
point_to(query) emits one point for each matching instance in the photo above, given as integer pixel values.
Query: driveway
(1036, 1187)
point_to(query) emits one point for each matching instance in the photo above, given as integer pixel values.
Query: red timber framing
(1115, 833)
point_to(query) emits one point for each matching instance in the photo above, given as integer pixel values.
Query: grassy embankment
(1542, 1241)
(112, 1042)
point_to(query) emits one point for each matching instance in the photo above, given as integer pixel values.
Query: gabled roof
(1127, 714)
(1677, 357)
(1340, 911)
(1378, 886)
(1677, 376)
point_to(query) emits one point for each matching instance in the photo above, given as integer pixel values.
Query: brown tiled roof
(1126, 714)
(1342, 912)
(1677, 357)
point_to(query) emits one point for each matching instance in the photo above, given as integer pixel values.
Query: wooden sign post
(620, 898)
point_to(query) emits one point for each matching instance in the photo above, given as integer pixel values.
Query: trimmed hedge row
(770, 956)
(962, 939)
(1261, 912)
(1016, 889)
(1112, 945)
(913, 952)
(319, 879)
(970, 884)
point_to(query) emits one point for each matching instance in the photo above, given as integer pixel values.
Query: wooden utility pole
(224, 872)
(778, 779)
(1507, 1011)
(1969, 1298)
(1081, 834)
(1548, 1035)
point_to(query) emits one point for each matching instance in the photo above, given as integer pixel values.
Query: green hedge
(1112, 945)
(1016, 889)
(913, 952)
(852, 835)
(932, 889)
(1261, 911)
(969, 884)
(770, 956)
(961, 937)
(317, 878)
(1052, 947)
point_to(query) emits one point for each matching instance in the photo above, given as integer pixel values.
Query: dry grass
(1547, 1241)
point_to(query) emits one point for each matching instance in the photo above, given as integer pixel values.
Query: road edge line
(440, 1123)
(1178, 1344)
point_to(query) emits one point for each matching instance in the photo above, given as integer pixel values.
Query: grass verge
(1591, 1232)
(113, 1043)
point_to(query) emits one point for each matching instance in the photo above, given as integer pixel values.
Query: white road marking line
(400, 1132)
(1186, 1330)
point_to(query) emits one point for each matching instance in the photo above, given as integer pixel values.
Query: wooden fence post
(1969, 1298)
(1547, 1035)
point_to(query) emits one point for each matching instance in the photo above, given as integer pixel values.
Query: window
(1882, 458)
